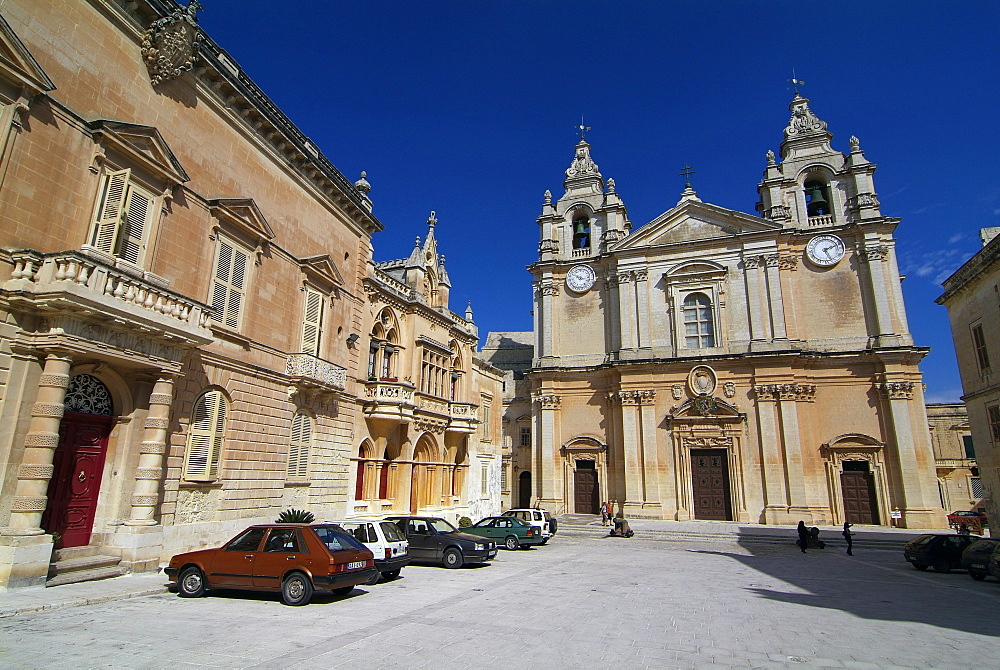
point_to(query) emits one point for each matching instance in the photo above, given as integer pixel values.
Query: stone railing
(393, 283)
(823, 220)
(581, 253)
(464, 410)
(314, 371)
(389, 391)
(48, 272)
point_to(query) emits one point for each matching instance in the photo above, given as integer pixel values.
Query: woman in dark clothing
(803, 536)
(848, 535)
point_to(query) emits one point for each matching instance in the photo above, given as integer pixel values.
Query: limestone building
(955, 456)
(187, 293)
(970, 295)
(715, 364)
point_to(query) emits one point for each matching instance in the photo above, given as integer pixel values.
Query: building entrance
(76, 480)
(586, 490)
(710, 484)
(857, 485)
(524, 490)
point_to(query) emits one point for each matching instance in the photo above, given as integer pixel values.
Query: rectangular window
(993, 413)
(976, 486)
(967, 443)
(487, 434)
(485, 479)
(525, 436)
(206, 432)
(229, 284)
(503, 476)
(123, 217)
(312, 322)
(298, 447)
(979, 344)
(433, 372)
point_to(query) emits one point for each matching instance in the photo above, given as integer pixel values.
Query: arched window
(817, 198)
(581, 232)
(699, 330)
(299, 446)
(205, 434)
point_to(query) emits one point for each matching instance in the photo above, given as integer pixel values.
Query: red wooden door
(76, 480)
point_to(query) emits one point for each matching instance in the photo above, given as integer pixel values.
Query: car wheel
(374, 580)
(920, 566)
(191, 583)
(453, 558)
(391, 574)
(978, 576)
(296, 589)
(512, 543)
(343, 591)
(941, 565)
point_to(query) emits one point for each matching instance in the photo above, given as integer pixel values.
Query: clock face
(825, 250)
(580, 278)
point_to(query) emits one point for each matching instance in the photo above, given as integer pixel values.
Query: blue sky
(468, 108)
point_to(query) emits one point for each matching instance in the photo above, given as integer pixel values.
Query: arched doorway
(524, 489)
(425, 490)
(78, 462)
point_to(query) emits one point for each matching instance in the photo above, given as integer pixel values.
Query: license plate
(492, 554)
(978, 566)
(355, 565)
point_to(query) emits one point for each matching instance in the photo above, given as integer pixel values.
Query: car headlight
(480, 547)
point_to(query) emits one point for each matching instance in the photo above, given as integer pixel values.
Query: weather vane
(687, 175)
(795, 82)
(582, 129)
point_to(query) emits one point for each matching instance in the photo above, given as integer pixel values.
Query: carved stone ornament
(583, 165)
(803, 120)
(170, 45)
(729, 389)
(702, 380)
(896, 390)
(705, 405)
(778, 213)
(676, 391)
(873, 253)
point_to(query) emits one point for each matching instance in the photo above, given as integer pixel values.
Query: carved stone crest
(170, 45)
(676, 391)
(729, 389)
(702, 380)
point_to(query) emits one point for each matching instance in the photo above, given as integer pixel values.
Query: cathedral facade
(715, 364)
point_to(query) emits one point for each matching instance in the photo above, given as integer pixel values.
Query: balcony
(70, 285)
(463, 417)
(389, 401)
(823, 220)
(308, 372)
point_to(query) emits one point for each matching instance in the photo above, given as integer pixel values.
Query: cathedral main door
(858, 487)
(710, 484)
(585, 488)
(76, 480)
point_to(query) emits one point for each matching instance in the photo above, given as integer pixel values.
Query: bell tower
(815, 186)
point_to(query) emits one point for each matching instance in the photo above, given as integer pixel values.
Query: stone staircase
(82, 564)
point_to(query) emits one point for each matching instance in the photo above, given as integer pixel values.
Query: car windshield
(442, 526)
(392, 532)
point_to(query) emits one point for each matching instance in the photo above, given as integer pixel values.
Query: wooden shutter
(312, 322)
(110, 208)
(229, 284)
(298, 450)
(133, 232)
(206, 431)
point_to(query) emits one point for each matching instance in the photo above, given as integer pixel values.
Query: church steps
(82, 564)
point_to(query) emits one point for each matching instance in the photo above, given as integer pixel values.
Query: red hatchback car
(293, 559)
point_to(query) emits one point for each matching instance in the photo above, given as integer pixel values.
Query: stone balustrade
(823, 220)
(313, 371)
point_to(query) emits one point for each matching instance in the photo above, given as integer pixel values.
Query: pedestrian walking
(848, 535)
(803, 536)
(604, 513)
(611, 510)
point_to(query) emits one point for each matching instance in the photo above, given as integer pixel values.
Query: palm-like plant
(292, 515)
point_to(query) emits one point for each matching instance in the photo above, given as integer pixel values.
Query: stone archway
(425, 487)
(857, 479)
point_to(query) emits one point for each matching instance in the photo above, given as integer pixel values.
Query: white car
(385, 540)
(538, 518)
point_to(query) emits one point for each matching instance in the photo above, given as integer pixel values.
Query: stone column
(794, 471)
(643, 338)
(757, 331)
(872, 254)
(30, 495)
(772, 465)
(650, 461)
(631, 436)
(919, 510)
(775, 304)
(545, 471)
(548, 291)
(626, 310)
(149, 471)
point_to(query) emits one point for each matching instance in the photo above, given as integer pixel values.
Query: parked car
(385, 540)
(937, 550)
(977, 556)
(536, 517)
(973, 521)
(293, 559)
(508, 531)
(434, 539)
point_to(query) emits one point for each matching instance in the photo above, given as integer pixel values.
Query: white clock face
(825, 250)
(580, 278)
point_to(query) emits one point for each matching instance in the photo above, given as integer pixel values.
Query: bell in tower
(817, 202)
(581, 233)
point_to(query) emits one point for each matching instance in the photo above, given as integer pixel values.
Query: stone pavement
(582, 601)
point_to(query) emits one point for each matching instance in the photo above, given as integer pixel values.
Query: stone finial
(611, 185)
(417, 243)
(441, 259)
(770, 158)
(855, 144)
(803, 121)
(432, 219)
(362, 185)
(583, 165)
(548, 197)
(468, 312)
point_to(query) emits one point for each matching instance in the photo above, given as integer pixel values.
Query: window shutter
(298, 450)
(229, 284)
(312, 322)
(235, 305)
(109, 210)
(137, 213)
(206, 431)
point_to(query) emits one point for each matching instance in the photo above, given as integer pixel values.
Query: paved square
(577, 602)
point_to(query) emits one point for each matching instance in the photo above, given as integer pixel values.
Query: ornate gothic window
(205, 435)
(699, 327)
(88, 395)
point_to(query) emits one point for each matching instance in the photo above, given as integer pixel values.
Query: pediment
(321, 270)
(243, 215)
(143, 146)
(18, 66)
(694, 221)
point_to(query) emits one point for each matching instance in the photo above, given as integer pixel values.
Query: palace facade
(193, 332)
(716, 364)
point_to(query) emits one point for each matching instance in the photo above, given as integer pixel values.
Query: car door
(282, 552)
(422, 539)
(501, 529)
(232, 566)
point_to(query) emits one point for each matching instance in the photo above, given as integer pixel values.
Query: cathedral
(715, 364)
